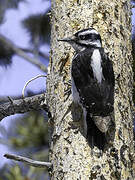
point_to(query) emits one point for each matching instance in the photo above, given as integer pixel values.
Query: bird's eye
(82, 37)
(86, 37)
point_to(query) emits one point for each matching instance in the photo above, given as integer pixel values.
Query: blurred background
(25, 25)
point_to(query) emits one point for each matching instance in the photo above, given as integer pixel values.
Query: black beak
(66, 40)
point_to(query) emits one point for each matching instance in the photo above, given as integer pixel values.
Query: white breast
(96, 65)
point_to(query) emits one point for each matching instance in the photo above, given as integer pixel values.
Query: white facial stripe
(93, 31)
(97, 43)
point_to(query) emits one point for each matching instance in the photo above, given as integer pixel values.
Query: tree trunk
(70, 153)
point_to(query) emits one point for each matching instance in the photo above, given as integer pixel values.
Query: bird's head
(84, 39)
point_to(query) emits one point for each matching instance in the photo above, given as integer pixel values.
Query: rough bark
(70, 154)
(24, 105)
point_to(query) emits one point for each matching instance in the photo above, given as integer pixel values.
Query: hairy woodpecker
(92, 83)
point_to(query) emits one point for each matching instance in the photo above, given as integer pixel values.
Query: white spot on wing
(96, 65)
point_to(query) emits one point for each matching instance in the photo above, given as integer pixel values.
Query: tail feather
(94, 136)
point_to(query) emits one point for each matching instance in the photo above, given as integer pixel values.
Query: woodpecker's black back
(96, 98)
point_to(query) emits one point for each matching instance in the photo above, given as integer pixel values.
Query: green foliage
(17, 173)
(32, 131)
(31, 134)
(12, 173)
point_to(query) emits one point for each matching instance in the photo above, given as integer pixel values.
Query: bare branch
(22, 54)
(32, 79)
(28, 161)
(23, 105)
